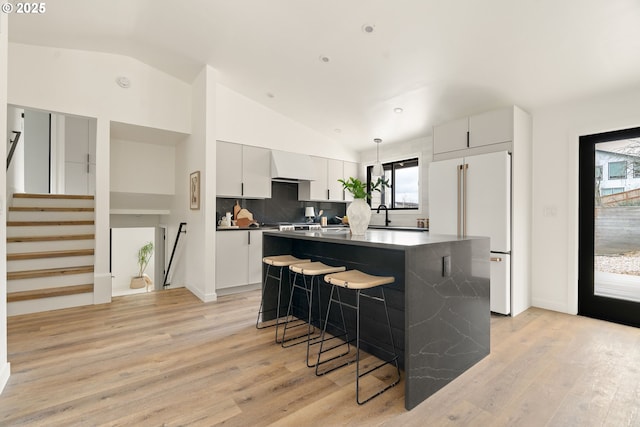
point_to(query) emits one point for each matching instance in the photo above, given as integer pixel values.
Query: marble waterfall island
(439, 303)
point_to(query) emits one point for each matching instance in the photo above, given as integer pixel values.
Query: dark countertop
(266, 227)
(379, 238)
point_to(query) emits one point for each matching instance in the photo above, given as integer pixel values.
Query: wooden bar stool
(308, 271)
(279, 263)
(363, 285)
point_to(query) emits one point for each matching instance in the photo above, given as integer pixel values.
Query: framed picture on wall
(194, 190)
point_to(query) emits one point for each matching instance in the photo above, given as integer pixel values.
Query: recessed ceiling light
(368, 28)
(398, 110)
(337, 130)
(123, 82)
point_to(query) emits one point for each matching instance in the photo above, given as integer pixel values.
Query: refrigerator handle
(459, 201)
(464, 198)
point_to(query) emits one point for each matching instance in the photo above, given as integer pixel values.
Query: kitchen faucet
(386, 214)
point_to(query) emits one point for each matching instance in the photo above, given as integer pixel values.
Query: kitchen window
(618, 170)
(636, 169)
(403, 192)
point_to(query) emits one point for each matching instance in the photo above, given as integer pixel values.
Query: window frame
(393, 166)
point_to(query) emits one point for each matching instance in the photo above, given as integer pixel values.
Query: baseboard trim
(5, 373)
(204, 298)
(238, 289)
(550, 305)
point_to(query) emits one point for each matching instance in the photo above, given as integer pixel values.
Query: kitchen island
(438, 305)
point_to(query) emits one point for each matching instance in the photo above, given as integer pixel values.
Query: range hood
(291, 166)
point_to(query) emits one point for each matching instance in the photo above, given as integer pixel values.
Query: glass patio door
(609, 227)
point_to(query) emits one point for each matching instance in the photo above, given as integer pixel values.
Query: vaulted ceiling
(341, 67)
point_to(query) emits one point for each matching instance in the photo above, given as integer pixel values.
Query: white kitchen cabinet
(228, 169)
(350, 170)
(464, 135)
(238, 258)
(325, 187)
(242, 171)
(492, 127)
(335, 171)
(255, 256)
(451, 136)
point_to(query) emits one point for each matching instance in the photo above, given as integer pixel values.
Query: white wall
(421, 148)
(195, 268)
(556, 130)
(83, 83)
(4, 364)
(142, 168)
(126, 242)
(242, 120)
(36, 151)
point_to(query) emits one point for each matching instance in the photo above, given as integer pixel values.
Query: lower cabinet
(238, 258)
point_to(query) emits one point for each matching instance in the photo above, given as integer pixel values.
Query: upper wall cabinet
(451, 136)
(492, 127)
(242, 171)
(325, 187)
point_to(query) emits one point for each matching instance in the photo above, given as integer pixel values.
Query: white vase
(359, 215)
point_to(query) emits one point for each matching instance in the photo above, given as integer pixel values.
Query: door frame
(589, 304)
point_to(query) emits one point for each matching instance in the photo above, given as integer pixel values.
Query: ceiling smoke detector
(123, 82)
(368, 28)
(324, 58)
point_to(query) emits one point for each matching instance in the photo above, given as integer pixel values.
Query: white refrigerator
(471, 196)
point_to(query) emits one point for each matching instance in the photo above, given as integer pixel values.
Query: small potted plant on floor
(359, 211)
(144, 255)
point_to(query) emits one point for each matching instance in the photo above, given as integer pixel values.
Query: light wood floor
(165, 358)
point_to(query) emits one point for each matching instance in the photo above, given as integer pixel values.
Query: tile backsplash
(283, 206)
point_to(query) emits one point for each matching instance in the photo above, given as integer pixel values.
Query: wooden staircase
(50, 252)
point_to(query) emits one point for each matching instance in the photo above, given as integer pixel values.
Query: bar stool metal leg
(291, 322)
(267, 276)
(362, 285)
(346, 342)
(394, 358)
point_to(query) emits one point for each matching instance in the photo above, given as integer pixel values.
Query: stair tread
(52, 196)
(47, 272)
(49, 292)
(47, 209)
(50, 238)
(46, 223)
(49, 254)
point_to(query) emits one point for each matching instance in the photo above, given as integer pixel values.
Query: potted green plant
(143, 257)
(358, 211)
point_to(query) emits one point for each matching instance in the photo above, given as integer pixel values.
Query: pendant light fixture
(377, 170)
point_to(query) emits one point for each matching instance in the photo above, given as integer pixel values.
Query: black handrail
(13, 146)
(173, 252)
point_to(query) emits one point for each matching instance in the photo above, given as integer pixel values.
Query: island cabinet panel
(440, 317)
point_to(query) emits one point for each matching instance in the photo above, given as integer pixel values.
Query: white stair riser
(60, 203)
(50, 216)
(20, 285)
(49, 230)
(42, 263)
(56, 245)
(46, 304)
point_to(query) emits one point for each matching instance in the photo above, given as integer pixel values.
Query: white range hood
(291, 166)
